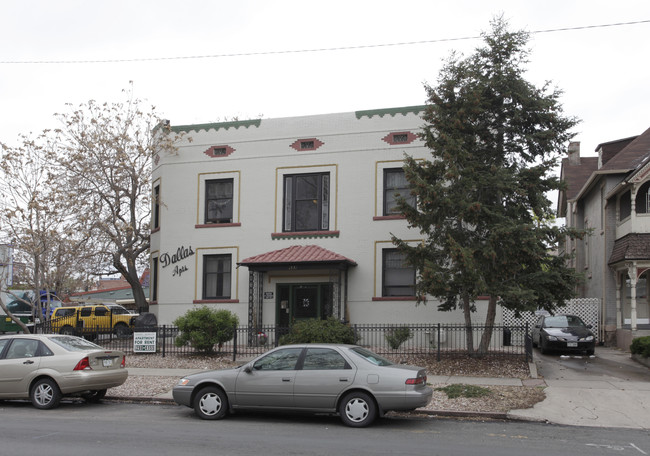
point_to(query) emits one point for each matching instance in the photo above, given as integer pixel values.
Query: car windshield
(74, 343)
(369, 356)
(119, 310)
(562, 321)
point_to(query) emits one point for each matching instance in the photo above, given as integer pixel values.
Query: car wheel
(211, 403)
(67, 330)
(542, 347)
(94, 396)
(45, 394)
(357, 409)
(121, 330)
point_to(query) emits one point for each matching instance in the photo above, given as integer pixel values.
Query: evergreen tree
(487, 224)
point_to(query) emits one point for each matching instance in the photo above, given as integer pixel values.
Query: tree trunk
(469, 333)
(141, 302)
(489, 325)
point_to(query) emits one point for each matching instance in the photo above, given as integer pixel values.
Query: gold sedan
(44, 368)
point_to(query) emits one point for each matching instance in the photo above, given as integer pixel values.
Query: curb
(432, 413)
(145, 400)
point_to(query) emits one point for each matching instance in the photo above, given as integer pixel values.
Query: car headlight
(588, 338)
(552, 338)
(183, 381)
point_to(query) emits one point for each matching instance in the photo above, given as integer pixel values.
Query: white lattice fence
(588, 309)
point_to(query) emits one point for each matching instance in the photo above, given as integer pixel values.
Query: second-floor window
(306, 202)
(396, 186)
(643, 199)
(625, 205)
(218, 201)
(156, 207)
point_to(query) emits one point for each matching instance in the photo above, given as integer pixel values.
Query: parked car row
(347, 380)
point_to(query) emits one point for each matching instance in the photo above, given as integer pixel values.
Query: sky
(200, 61)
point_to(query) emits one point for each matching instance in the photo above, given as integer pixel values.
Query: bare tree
(33, 220)
(105, 153)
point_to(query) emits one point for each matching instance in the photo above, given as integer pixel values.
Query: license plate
(572, 344)
(107, 362)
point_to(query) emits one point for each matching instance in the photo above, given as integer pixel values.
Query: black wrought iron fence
(439, 340)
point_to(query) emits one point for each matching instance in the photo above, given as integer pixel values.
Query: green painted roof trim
(218, 125)
(390, 111)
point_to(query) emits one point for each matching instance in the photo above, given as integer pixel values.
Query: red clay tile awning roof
(302, 254)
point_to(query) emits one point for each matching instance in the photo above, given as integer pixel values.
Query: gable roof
(632, 155)
(575, 176)
(609, 149)
(619, 157)
(301, 254)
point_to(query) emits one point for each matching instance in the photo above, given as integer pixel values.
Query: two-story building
(610, 195)
(290, 218)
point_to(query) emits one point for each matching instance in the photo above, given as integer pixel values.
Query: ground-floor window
(216, 276)
(398, 277)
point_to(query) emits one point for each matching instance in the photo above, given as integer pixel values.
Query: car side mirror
(248, 368)
(589, 326)
(538, 326)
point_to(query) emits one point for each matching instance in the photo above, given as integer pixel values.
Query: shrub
(397, 336)
(330, 331)
(204, 328)
(458, 390)
(641, 346)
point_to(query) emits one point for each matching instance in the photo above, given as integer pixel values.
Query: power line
(304, 51)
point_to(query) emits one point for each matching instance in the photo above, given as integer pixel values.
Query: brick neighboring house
(610, 195)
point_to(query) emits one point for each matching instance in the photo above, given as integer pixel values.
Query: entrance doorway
(302, 301)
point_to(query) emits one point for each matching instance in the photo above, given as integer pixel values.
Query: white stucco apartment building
(289, 218)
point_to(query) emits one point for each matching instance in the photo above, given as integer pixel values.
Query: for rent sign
(144, 342)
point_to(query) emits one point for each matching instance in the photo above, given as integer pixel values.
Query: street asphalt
(607, 390)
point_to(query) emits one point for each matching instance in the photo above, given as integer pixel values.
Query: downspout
(602, 317)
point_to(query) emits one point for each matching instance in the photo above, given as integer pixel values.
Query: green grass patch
(459, 390)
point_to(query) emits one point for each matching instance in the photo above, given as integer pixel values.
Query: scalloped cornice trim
(217, 126)
(390, 111)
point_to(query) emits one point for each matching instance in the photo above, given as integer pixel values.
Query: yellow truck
(89, 321)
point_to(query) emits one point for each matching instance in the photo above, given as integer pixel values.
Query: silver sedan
(349, 380)
(44, 368)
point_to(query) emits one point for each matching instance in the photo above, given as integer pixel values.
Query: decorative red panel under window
(307, 144)
(400, 137)
(219, 151)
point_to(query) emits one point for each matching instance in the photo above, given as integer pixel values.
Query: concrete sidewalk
(576, 399)
(616, 393)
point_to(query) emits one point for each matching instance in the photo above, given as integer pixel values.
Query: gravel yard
(500, 398)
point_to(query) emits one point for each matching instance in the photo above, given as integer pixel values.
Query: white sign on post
(144, 342)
